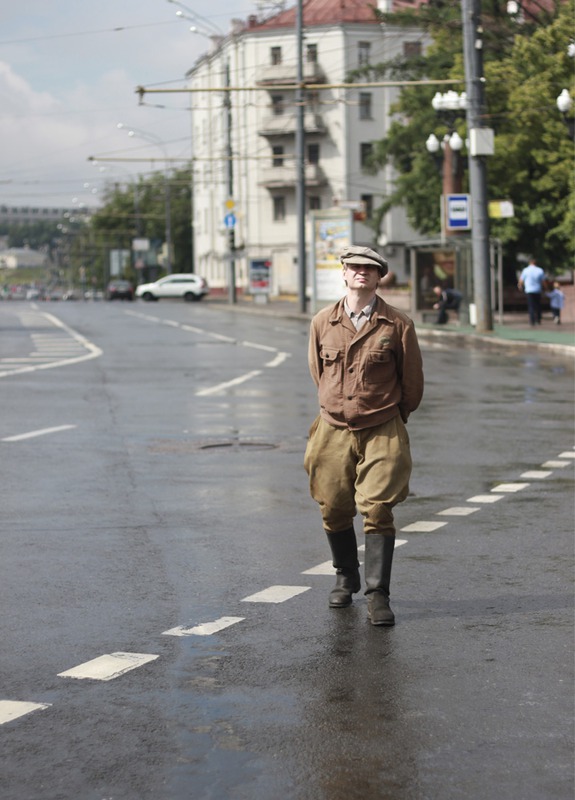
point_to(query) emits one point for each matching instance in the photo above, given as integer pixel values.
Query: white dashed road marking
(109, 666)
(556, 464)
(32, 434)
(536, 474)
(221, 387)
(276, 594)
(458, 511)
(423, 525)
(204, 628)
(485, 498)
(13, 709)
(510, 487)
(567, 454)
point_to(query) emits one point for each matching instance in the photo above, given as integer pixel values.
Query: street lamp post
(167, 203)
(449, 164)
(564, 104)
(480, 145)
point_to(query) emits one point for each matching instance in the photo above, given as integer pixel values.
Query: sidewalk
(514, 332)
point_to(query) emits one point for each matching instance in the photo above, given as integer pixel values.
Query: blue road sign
(458, 212)
(230, 220)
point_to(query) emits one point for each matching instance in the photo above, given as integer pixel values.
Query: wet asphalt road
(158, 483)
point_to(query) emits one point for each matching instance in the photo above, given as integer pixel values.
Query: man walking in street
(365, 360)
(531, 282)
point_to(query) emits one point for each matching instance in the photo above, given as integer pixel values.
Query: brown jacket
(365, 377)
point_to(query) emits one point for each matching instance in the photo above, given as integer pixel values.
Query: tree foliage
(526, 65)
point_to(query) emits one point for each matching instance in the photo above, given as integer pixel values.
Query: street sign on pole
(457, 212)
(230, 220)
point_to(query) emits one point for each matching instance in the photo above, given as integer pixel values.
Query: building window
(278, 156)
(314, 202)
(365, 152)
(311, 54)
(277, 104)
(312, 101)
(367, 200)
(411, 49)
(279, 208)
(365, 105)
(276, 55)
(363, 53)
(313, 154)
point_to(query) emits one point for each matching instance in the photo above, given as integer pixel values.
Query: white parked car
(186, 285)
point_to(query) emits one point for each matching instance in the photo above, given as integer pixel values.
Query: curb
(483, 341)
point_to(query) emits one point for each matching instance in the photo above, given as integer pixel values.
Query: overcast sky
(68, 71)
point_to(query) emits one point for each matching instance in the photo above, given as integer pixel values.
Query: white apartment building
(244, 140)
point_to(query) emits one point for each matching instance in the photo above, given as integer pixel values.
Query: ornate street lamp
(564, 104)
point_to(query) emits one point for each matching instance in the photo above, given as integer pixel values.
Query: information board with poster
(433, 268)
(331, 233)
(260, 275)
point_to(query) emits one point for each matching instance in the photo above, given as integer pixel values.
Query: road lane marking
(458, 511)
(221, 387)
(108, 666)
(536, 474)
(275, 594)
(257, 346)
(556, 464)
(567, 454)
(204, 628)
(278, 360)
(510, 487)
(424, 526)
(31, 434)
(485, 498)
(13, 709)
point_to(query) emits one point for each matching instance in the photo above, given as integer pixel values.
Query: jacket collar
(381, 311)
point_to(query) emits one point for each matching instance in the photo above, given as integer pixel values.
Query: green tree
(526, 66)
(141, 209)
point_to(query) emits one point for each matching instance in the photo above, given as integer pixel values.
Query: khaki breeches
(366, 471)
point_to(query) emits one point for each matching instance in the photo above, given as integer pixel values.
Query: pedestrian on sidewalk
(364, 358)
(447, 300)
(531, 282)
(556, 301)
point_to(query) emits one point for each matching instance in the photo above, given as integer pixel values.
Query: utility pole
(300, 162)
(481, 144)
(231, 232)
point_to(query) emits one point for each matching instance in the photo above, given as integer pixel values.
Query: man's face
(361, 276)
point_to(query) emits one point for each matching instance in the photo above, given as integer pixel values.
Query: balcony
(278, 74)
(285, 177)
(285, 124)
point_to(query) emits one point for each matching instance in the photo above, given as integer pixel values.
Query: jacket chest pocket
(331, 363)
(380, 366)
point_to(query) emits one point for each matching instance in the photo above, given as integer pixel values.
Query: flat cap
(354, 254)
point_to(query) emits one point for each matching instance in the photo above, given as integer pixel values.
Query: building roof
(321, 12)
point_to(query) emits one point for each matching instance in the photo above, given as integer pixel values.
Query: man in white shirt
(531, 282)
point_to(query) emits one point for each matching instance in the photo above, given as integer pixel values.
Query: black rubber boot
(378, 560)
(343, 546)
